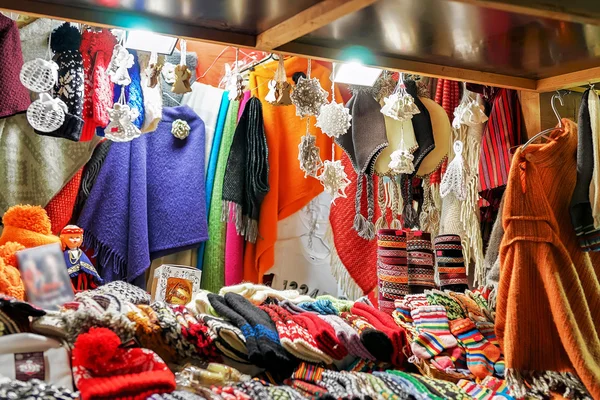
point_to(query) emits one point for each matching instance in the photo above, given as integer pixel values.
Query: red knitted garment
(96, 49)
(60, 208)
(385, 323)
(14, 97)
(103, 370)
(358, 256)
(196, 332)
(323, 333)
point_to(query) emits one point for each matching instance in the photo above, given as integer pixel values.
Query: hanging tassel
(368, 231)
(382, 220)
(359, 219)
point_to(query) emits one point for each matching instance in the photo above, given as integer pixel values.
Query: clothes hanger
(252, 66)
(544, 133)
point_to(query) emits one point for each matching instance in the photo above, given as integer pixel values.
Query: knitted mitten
(294, 338)
(223, 309)
(347, 336)
(481, 354)
(376, 342)
(323, 334)
(266, 334)
(450, 263)
(434, 332)
(421, 274)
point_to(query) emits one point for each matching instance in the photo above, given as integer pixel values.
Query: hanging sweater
(289, 189)
(548, 309)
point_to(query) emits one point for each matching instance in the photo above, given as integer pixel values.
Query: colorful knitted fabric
(498, 386)
(196, 333)
(149, 333)
(293, 337)
(392, 268)
(453, 308)
(450, 263)
(376, 342)
(339, 304)
(475, 391)
(434, 331)
(60, 208)
(421, 274)
(228, 338)
(347, 336)
(442, 388)
(470, 306)
(481, 354)
(320, 306)
(172, 330)
(323, 333)
(414, 386)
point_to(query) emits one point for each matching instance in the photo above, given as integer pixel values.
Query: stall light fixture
(150, 41)
(355, 73)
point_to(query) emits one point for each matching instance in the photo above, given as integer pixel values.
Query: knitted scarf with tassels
(247, 174)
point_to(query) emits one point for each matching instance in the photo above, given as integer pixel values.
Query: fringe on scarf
(105, 256)
(339, 271)
(232, 212)
(539, 385)
(251, 229)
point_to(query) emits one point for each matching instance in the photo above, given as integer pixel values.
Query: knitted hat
(126, 292)
(363, 143)
(323, 333)
(101, 369)
(149, 333)
(8, 253)
(347, 336)
(65, 42)
(442, 132)
(450, 263)
(172, 330)
(14, 97)
(294, 338)
(196, 332)
(376, 342)
(227, 337)
(34, 38)
(10, 281)
(273, 354)
(96, 51)
(27, 225)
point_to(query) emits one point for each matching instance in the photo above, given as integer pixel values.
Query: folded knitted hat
(103, 370)
(375, 341)
(126, 292)
(258, 294)
(294, 338)
(196, 332)
(347, 336)
(274, 355)
(386, 324)
(227, 337)
(14, 97)
(27, 225)
(201, 305)
(65, 42)
(323, 333)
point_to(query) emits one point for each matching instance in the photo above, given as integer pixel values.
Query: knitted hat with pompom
(27, 225)
(10, 281)
(104, 370)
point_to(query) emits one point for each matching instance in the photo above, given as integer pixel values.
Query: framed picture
(45, 276)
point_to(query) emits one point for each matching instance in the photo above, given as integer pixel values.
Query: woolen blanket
(213, 270)
(148, 200)
(212, 163)
(34, 168)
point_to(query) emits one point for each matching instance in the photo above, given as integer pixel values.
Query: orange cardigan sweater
(289, 189)
(548, 313)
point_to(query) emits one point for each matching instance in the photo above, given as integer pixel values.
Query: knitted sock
(470, 306)
(402, 311)
(434, 332)
(392, 268)
(487, 329)
(450, 263)
(474, 390)
(498, 386)
(442, 362)
(481, 354)
(453, 308)
(267, 339)
(421, 274)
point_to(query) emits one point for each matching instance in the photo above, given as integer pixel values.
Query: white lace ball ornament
(39, 75)
(308, 97)
(334, 119)
(334, 179)
(180, 129)
(46, 114)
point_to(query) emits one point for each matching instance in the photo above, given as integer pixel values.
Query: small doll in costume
(83, 274)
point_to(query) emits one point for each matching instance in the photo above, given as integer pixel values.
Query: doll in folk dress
(83, 274)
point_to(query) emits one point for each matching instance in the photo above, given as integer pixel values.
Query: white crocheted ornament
(469, 112)
(309, 156)
(121, 127)
(454, 180)
(39, 75)
(168, 73)
(180, 129)
(400, 106)
(46, 114)
(402, 162)
(334, 119)
(120, 62)
(334, 179)
(308, 97)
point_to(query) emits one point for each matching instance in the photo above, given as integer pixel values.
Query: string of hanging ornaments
(46, 114)
(182, 73)
(400, 106)
(235, 82)
(279, 87)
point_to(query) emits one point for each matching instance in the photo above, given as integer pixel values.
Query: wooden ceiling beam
(581, 11)
(104, 17)
(307, 21)
(567, 81)
(416, 67)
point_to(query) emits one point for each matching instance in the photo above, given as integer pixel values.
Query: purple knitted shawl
(148, 200)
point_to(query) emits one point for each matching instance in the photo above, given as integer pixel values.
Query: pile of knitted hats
(452, 331)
